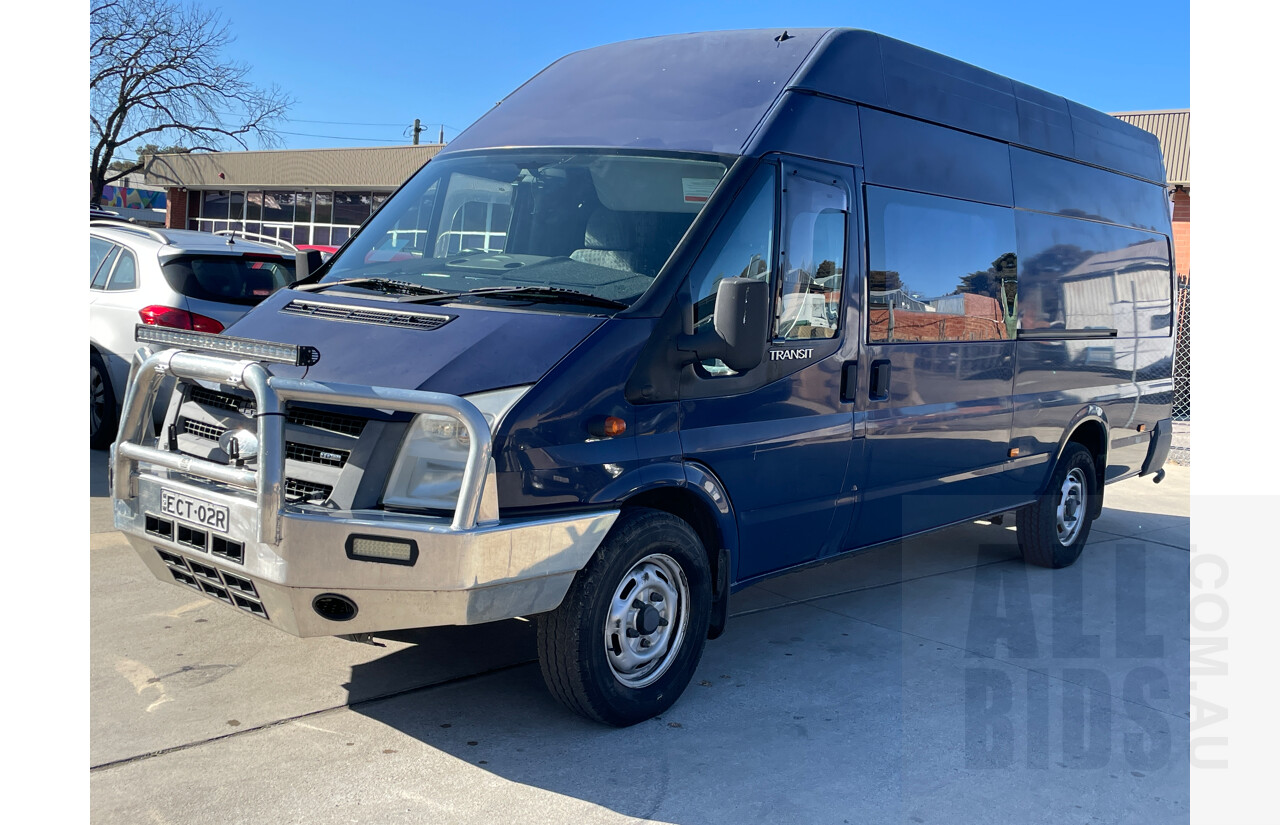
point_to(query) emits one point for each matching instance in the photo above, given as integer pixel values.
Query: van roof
(712, 92)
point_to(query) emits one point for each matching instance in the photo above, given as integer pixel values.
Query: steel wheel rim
(646, 622)
(1071, 507)
(97, 399)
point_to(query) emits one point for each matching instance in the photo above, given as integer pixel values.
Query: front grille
(363, 315)
(210, 432)
(316, 455)
(329, 421)
(225, 587)
(296, 490)
(333, 422)
(329, 457)
(222, 400)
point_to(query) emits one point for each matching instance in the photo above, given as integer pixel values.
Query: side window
(742, 246)
(125, 275)
(941, 269)
(98, 249)
(812, 270)
(100, 277)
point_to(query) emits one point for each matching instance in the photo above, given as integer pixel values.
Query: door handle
(849, 382)
(879, 388)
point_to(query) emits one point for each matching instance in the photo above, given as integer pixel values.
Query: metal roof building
(306, 196)
(1173, 128)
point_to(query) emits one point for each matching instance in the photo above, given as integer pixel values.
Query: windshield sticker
(790, 354)
(697, 190)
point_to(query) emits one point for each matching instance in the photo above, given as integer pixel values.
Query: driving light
(206, 342)
(370, 548)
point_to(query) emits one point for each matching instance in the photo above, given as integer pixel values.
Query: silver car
(171, 278)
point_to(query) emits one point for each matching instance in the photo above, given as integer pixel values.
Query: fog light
(378, 548)
(334, 607)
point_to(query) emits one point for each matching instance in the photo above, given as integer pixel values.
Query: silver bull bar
(474, 568)
(475, 504)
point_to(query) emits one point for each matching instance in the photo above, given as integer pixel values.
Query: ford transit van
(677, 315)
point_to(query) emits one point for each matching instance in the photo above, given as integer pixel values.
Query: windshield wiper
(548, 294)
(385, 285)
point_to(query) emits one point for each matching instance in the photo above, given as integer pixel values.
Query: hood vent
(364, 315)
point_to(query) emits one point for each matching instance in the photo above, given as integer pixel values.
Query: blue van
(677, 315)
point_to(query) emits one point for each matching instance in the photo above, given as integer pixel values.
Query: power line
(341, 137)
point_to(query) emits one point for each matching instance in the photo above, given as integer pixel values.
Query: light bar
(379, 548)
(299, 356)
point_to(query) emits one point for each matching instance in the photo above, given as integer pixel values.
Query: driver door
(779, 436)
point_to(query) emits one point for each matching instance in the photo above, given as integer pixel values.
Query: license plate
(194, 510)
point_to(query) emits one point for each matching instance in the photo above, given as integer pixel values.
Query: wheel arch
(1090, 429)
(692, 492)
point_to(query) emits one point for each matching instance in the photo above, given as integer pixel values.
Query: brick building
(1173, 128)
(305, 196)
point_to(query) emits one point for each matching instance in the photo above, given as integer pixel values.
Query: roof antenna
(782, 38)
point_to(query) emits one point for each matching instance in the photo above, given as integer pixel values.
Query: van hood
(451, 349)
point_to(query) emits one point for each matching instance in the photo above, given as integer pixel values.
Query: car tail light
(162, 316)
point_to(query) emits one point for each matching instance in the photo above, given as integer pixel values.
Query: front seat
(609, 242)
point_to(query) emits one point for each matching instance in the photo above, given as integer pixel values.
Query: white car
(169, 278)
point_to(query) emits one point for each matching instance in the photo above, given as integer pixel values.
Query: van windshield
(597, 223)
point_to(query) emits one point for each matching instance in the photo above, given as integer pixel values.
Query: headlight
(433, 455)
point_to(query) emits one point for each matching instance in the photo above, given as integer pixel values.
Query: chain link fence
(1180, 449)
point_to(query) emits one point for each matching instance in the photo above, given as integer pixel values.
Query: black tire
(637, 557)
(1046, 540)
(104, 415)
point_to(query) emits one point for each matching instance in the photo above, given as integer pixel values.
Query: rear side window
(98, 250)
(104, 269)
(228, 279)
(941, 269)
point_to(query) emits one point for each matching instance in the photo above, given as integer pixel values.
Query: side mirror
(740, 326)
(306, 262)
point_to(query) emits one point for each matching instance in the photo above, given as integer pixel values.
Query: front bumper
(273, 560)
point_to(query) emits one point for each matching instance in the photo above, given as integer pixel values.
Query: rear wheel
(627, 638)
(1052, 532)
(103, 415)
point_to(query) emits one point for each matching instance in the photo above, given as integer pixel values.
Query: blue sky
(364, 71)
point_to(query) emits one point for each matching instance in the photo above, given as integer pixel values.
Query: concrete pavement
(936, 680)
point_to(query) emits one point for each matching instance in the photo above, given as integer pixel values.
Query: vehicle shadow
(98, 487)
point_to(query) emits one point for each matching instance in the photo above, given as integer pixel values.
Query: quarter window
(941, 269)
(125, 275)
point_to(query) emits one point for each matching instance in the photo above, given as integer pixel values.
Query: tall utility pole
(417, 130)
(442, 134)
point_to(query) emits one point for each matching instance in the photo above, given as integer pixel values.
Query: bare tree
(156, 70)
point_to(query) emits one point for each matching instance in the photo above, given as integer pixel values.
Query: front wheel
(1052, 532)
(625, 641)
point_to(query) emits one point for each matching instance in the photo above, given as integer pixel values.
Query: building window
(324, 207)
(351, 208)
